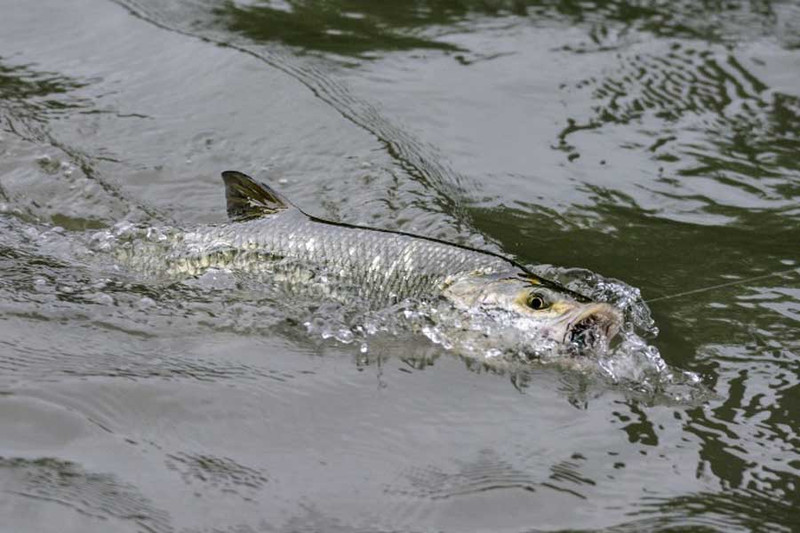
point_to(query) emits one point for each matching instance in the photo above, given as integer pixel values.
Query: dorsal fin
(249, 199)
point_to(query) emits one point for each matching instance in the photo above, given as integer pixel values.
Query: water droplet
(344, 336)
(146, 303)
(102, 299)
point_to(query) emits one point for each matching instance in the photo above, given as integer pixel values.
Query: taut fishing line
(723, 285)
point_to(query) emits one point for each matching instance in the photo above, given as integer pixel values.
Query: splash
(495, 340)
(258, 302)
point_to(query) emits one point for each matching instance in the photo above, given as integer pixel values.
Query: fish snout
(593, 324)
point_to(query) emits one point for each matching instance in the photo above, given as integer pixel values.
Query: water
(655, 143)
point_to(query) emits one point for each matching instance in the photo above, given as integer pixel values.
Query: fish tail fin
(248, 199)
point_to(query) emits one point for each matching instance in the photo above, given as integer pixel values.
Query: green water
(657, 143)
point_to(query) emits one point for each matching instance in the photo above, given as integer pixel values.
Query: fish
(268, 234)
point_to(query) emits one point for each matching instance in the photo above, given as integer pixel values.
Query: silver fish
(268, 234)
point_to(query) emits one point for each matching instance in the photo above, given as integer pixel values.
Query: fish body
(379, 265)
(269, 235)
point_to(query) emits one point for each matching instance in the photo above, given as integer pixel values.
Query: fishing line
(722, 285)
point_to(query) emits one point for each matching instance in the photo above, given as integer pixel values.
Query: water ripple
(92, 494)
(724, 139)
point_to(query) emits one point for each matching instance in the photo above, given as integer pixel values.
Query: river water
(656, 143)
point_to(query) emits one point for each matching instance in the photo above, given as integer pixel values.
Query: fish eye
(536, 302)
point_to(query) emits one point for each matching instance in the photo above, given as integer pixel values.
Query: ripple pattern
(93, 494)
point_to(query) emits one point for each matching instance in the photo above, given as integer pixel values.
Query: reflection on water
(657, 143)
(66, 189)
(716, 121)
(27, 94)
(346, 28)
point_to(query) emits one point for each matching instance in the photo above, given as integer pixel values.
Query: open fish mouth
(593, 327)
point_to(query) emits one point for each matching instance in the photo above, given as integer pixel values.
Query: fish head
(541, 307)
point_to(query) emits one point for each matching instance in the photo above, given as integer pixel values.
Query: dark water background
(654, 142)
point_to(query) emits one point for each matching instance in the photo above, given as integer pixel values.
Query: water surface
(657, 143)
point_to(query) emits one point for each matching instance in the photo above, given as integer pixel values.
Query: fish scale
(376, 262)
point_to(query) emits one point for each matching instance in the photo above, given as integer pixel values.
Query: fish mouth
(593, 327)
